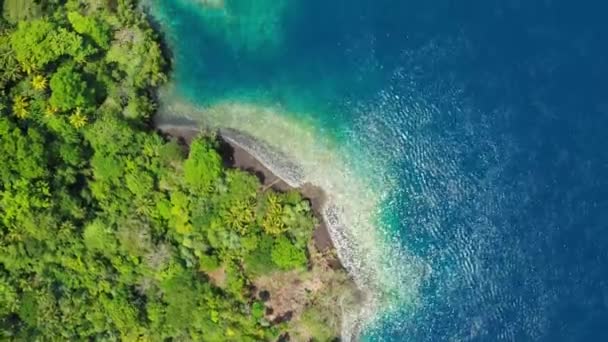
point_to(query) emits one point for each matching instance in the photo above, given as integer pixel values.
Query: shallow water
(466, 141)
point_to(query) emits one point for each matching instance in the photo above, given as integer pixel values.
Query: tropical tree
(39, 42)
(95, 28)
(286, 255)
(20, 107)
(107, 227)
(39, 83)
(203, 166)
(69, 89)
(239, 216)
(78, 119)
(272, 221)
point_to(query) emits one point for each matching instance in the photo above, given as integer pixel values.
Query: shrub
(97, 30)
(209, 263)
(203, 166)
(259, 261)
(69, 89)
(272, 221)
(286, 255)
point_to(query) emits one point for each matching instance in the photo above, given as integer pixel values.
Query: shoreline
(237, 157)
(330, 234)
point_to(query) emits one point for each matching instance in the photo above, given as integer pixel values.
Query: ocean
(464, 143)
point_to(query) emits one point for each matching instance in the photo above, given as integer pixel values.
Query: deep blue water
(493, 115)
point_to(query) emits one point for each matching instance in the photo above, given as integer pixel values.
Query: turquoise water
(466, 144)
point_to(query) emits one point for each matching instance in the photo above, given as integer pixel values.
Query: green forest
(108, 229)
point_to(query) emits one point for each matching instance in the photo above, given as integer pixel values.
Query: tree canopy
(69, 90)
(108, 230)
(39, 42)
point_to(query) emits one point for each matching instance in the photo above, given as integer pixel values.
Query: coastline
(347, 298)
(344, 202)
(294, 153)
(234, 155)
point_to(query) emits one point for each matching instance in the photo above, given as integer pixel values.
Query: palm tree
(11, 72)
(28, 67)
(39, 83)
(78, 119)
(20, 106)
(239, 216)
(273, 223)
(50, 111)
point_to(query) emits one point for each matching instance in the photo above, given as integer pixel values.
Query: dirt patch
(288, 293)
(218, 277)
(312, 300)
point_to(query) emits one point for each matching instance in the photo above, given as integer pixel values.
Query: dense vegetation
(108, 230)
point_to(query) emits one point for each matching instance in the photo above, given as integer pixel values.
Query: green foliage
(179, 212)
(8, 298)
(272, 222)
(98, 238)
(286, 255)
(92, 27)
(257, 310)
(235, 281)
(11, 69)
(209, 263)
(259, 261)
(314, 323)
(203, 166)
(138, 57)
(69, 89)
(297, 216)
(139, 107)
(20, 10)
(22, 154)
(105, 226)
(40, 42)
